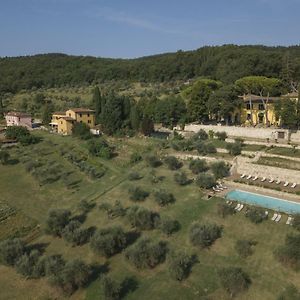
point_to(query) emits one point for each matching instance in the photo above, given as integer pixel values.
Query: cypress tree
(97, 103)
(135, 118)
(1, 109)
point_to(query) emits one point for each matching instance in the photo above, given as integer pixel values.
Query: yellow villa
(62, 122)
(257, 110)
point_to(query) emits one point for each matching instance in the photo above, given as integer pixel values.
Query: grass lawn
(284, 151)
(21, 190)
(279, 162)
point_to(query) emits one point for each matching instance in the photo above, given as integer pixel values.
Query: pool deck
(259, 190)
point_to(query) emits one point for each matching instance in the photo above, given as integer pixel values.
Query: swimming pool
(276, 204)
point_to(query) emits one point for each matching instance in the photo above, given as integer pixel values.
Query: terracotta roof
(67, 118)
(82, 110)
(18, 114)
(60, 113)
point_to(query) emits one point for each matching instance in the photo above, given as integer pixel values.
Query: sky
(135, 28)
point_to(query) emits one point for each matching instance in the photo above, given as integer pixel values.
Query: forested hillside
(225, 63)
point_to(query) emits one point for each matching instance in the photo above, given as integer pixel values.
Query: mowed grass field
(20, 190)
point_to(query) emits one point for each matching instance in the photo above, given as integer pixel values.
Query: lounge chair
(244, 175)
(241, 207)
(223, 186)
(293, 185)
(249, 177)
(255, 178)
(238, 206)
(271, 180)
(219, 187)
(215, 189)
(263, 179)
(278, 181)
(288, 221)
(266, 213)
(274, 217)
(286, 184)
(278, 218)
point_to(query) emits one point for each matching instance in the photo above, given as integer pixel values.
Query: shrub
(168, 225)
(200, 135)
(4, 157)
(211, 134)
(85, 206)
(56, 221)
(75, 235)
(11, 250)
(220, 169)
(163, 198)
(244, 248)
(296, 221)
(52, 266)
(27, 264)
(137, 194)
(179, 265)
(135, 158)
(234, 149)
(111, 288)
(134, 176)
(142, 218)
(221, 135)
(113, 211)
(289, 253)
(82, 131)
(109, 241)
(234, 280)
(173, 163)
(256, 215)
(205, 148)
(181, 178)
(198, 165)
(205, 181)
(289, 293)
(28, 140)
(225, 210)
(204, 235)
(16, 132)
(146, 253)
(99, 147)
(210, 148)
(153, 161)
(182, 145)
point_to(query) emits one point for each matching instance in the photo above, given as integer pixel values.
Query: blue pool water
(276, 204)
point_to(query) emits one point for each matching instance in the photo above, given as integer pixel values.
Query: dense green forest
(225, 63)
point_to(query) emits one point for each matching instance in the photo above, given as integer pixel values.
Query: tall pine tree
(97, 103)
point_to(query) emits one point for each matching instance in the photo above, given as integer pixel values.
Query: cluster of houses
(256, 110)
(61, 122)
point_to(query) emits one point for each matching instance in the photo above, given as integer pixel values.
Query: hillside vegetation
(226, 63)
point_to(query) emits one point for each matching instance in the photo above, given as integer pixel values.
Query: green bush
(153, 161)
(172, 162)
(244, 248)
(111, 288)
(198, 165)
(179, 265)
(225, 210)
(200, 135)
(137, 194)
(289, 253)
(109, 241)
(27, 264)
(163, 198)
(220, 169)
(57, 220)
(181, 178)
(142, 218)
(75, 235)
(205, 148)
(168, 225)
(11, 250)
(113, 211)
(205, 181)
(221, 135)
(204, 235)
(134, 176)
(4, 157)
(256, 215)
(146, 253)
(16, 132)
(234, 280)
(82, 131)
(234, 149)
(99, 147)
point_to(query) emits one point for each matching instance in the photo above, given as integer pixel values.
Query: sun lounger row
(271, 180)
(219, 188)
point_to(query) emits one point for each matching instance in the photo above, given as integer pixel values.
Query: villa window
(249, 106)
(80, 115)
(261, 107)
(88, 115)
(248, 116)
(89, 121)
(69, 114)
